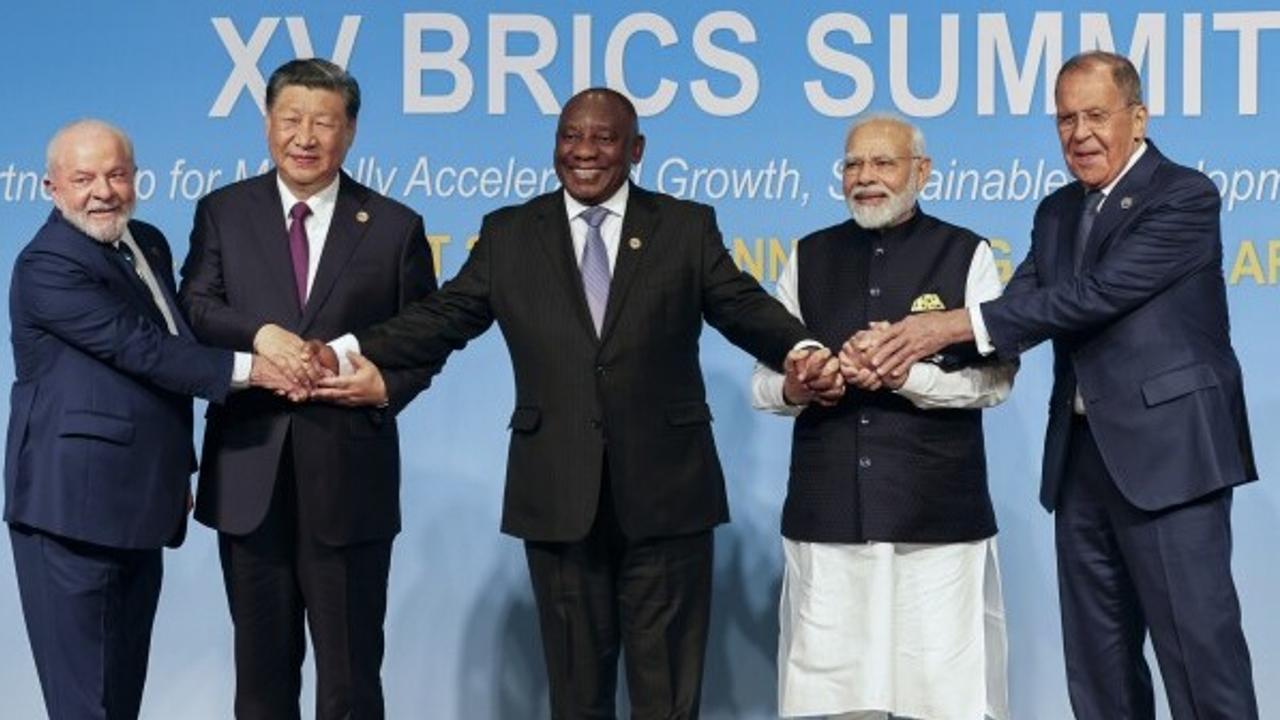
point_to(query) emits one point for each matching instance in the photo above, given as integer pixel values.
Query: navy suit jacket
(237, 277)
(99, 440)
(1142, 330)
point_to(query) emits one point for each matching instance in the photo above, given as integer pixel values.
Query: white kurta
(916, 630)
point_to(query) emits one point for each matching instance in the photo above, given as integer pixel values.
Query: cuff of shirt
(807, 344)
(980, 336)
(919, 378)
(341, 346)
(241, 370)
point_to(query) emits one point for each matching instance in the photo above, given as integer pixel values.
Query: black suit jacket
(636, 391)
(239, 276)
(1142, 329)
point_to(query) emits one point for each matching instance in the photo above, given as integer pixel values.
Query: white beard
(895, 206)
(103, 232)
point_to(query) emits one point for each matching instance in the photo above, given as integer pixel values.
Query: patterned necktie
(595, 266)
(299, 249)
(1088, 213)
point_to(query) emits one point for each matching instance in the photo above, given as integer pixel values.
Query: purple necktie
(595, 266)
(299, 249)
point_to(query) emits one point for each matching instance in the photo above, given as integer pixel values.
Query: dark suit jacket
(1144, 331)
(639, 388)
(99, 441)
(238, 277)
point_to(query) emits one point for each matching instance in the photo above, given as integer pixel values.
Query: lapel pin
(1126, 202)
(634, 243)
(363, 217)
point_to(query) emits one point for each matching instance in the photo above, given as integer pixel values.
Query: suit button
(864, 419)
(600, 369)
(595, 424)
(864, 462)
(874, 292)
(879, 251)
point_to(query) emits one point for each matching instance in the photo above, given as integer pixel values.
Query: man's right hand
(812, 375)
(321, 358)
(285, 351)
(265, 374)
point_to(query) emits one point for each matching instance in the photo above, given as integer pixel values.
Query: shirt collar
(1133, 160)
(616, 204)
(322, 200)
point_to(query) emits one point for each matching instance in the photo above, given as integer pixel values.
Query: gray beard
(875, 218)
(106, 234)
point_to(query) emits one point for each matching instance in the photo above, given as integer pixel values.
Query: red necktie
(299, 249)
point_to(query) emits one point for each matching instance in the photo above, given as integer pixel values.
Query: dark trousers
(89, 610)
(280, 576)
(1122, 572)
(650, 598)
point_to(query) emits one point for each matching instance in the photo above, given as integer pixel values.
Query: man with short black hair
(305, 498)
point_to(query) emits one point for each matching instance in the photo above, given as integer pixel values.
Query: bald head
(89, 173)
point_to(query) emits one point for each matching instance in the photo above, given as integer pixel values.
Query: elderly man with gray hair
(891, 601)
(98, 457)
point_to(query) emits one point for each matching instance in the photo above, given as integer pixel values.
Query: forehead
(91, 148)
(596, 110)
(1088, 87)
(303, 98)
(880, 137)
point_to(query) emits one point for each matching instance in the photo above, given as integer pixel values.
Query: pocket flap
(90, 424)
(689, 413)
(1176, 383)
(525, 419)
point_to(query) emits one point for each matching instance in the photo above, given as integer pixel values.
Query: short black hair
(622, 100)
(316, 74)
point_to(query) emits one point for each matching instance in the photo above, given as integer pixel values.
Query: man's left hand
(364, 386)
(916, 337)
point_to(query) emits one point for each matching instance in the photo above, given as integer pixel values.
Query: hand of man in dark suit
(812, 375)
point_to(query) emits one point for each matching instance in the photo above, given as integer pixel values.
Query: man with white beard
(891, 602)
(98, 456)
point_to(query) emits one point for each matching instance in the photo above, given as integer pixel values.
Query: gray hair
(316, 74)
(1123, 73)
(917, 135)
(51, 150)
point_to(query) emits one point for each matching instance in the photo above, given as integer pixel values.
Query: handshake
(303, 370)
(814, 375)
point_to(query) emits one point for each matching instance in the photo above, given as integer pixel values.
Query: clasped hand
(303, 370)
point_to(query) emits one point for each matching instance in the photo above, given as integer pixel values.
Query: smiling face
(91, 180)
(881, 178)
(1096, 154)
(308, 134)
(596, 144)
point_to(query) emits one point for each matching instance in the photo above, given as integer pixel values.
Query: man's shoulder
(827, 234)
(238, 191)
(664, 204)
(377, 203)
(535, 206)
(953, 232)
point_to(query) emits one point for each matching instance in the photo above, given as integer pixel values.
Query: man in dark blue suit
(1147, 428)
(99, 454)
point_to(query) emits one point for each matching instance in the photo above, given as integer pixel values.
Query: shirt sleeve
(341, 346)
(766, 384)
(241, 370)
(928, 386)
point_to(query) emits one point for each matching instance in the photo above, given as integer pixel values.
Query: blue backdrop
(745, 106)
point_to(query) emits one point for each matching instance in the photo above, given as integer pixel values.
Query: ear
(637, 149)
(923, 171)
(1140, 124)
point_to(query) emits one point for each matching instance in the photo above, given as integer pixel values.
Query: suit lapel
(1068, 224)
(270, 240)
(637, 236)
(1124, 198)
(556, 240)
(164, 280)
(349, 224)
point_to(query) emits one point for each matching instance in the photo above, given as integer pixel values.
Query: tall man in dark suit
(1147, 430)
(305, 498)
(612, 479)
(98, 457)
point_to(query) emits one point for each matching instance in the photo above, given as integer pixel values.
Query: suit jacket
(637, 389)
(238, 277)
(1142, 330)
(99, 440)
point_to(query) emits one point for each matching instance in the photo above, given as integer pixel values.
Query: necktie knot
(123, 250)
(594, 216)
(299, 211)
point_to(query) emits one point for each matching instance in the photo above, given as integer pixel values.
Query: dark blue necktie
(1088, 213)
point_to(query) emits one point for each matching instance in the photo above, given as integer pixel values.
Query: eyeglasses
(880, 165)
(1093, 118)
